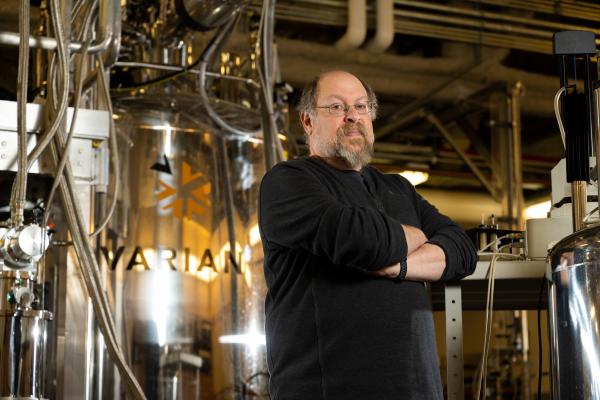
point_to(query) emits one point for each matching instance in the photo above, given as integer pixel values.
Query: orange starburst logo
(190, 197)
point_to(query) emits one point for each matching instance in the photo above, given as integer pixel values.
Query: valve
(21, 248)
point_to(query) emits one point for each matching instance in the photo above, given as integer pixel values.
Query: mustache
(353, 126)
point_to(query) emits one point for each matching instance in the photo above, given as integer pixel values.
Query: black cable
(160, 79)
(539, 326)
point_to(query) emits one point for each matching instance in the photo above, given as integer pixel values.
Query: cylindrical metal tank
(574, 301)
(21, 368)
(185, 294)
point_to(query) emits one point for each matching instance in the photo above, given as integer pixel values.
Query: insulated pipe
(384, 31)
(357, 26)
(109, 28)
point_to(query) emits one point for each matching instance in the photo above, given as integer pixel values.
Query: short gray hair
(308, 99)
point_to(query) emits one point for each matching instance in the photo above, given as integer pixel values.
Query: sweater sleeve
(297, 211)
(461, 256)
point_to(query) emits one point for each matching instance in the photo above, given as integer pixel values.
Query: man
(347, 250)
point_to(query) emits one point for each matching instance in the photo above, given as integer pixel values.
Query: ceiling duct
(357, 26)
(384, 30)
(205, 15)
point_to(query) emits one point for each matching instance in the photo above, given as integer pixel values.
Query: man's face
(346, 138)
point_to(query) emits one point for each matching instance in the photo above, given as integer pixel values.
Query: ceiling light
(537, 210)
(415, 177)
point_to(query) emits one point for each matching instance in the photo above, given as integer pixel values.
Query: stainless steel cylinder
(193, 303)
(574, 298)
(22, 353)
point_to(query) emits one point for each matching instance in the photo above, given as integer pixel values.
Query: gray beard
(354, 159)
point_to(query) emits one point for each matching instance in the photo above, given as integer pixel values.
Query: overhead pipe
(438, 26)
(357, 26)
(109, 34)
(384, 30)
(446, 135)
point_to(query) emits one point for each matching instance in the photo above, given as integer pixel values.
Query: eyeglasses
(343, 109)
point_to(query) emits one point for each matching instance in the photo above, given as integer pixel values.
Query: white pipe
(357, 26)
(384, 30)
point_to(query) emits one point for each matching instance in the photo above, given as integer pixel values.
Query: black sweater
(334, 332)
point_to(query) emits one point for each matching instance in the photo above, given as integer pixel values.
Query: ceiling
(452, 59)
(451, 64)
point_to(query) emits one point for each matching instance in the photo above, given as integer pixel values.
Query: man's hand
(426, 264)
(389, 272)
(415, 238)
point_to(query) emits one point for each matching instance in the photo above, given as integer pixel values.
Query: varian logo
(189, 197)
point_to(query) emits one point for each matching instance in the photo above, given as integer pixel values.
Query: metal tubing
(517, 175)
(567, 8)
(108, 31)
(446, 135)
(442, 31)
(167, 67)
(552, 26)
(225, 177)
(579, 202)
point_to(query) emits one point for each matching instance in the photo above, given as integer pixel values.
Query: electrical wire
(489, 315)
(588, 215)
(492, 243)
(481, 372)
(557, 114)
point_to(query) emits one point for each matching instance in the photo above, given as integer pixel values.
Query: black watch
(402, 273)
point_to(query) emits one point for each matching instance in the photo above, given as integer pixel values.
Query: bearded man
(347, 251)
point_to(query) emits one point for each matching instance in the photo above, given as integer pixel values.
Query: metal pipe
(411, 27)
(384, 30)
(234, 296)
(579, 202)
(357, 26)
(517, 176)
(177, 68)
(588, 11)
(431, 30)
(446, 135)
(109, 26)
(478, 14)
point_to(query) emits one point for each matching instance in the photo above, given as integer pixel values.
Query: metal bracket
(454, 342)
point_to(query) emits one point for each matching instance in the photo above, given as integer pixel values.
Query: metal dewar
(574, 265)
(181, 289)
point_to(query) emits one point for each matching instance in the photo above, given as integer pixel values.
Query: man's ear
(307, 124)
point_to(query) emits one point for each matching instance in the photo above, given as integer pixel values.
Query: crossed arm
(425, 261)
(305, 215)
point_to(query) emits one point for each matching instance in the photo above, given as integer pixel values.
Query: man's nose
(351, 115)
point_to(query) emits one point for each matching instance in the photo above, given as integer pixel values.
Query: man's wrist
(402, 274)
